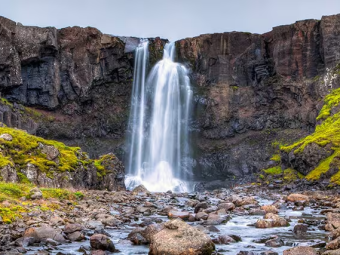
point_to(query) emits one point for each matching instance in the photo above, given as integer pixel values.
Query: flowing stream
(159, 156)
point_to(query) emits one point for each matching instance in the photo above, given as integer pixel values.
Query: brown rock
(305, 250)
(297, 198)
(178, 238)
(42, 233)
(173, 214)
(269, 209)
(101, 242)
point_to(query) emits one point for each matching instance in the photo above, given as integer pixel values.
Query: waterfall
(159, 155)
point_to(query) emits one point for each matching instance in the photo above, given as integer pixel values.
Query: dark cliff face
(251, 90)
(254, 91)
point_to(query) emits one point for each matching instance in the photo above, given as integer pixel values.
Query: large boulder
(179, 238)
(300, 250)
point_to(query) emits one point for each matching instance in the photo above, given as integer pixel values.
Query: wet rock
(36, 193)
(226, 206)
(257, 211)
(333, 252)
(216, 219)
(40, 234)
(140, 190)
(199, 206)
(298, 198)
(276, 242)
(173, 214)
(151, 230)
(305, 250)
(70, 228)
(269, 209)
(300, 229)
(179, 238)
(333, 245)
(271, 220)
(136, 237)
(201, 216)
(101, 242)
(224, 239)
(76, 236)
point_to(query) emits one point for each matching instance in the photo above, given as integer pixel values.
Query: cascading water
(159, 124)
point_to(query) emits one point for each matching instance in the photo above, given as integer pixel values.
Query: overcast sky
(171, 19)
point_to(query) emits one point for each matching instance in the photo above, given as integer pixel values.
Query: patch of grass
(273, 170)
(290, 175)
(58, 193)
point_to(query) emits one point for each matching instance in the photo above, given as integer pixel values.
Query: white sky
(172, 19)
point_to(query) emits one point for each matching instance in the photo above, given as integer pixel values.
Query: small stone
(6, 137)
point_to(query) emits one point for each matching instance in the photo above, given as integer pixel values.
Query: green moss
(273, 170)
(5, 161)
(276, 158)
(290, 175)
(79, 194)
(331, 100)
(235, 88)
(57, 193)
(6, 102)
(11, 212)
(323, 167)
(24, 148)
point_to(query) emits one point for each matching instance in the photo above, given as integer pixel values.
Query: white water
(159, 156)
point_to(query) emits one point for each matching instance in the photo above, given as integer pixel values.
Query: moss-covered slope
(27, 158)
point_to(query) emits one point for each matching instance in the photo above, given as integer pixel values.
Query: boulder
(140, 190)
(269, 209)
(297, 198)
(226, 206)
(217, 219)
(332, 252)
(178, 238)
(300, 229)
(333, 245)
(177, 214)
(101, 242)
(199, 206)
(70, 228)
(40, 234)
(300, 250)
(271, 220)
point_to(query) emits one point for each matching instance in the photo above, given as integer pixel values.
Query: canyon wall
(252, 91)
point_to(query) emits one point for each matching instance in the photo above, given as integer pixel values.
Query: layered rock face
(256, 90)
(79, 77)
(251, 91)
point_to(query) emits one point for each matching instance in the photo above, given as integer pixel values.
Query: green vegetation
(24, 148)
(326, 134)
(100, 164)
(273, 170)
(290, 175)
(276, 158)
(12, 206)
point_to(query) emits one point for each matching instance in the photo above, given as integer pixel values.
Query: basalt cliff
(253, 93)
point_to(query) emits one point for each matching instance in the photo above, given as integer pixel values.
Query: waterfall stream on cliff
(159, 152)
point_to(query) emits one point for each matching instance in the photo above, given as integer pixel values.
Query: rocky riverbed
(243, 220)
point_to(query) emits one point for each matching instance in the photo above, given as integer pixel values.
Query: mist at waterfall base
(158, 133)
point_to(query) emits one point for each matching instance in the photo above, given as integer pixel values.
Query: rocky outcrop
(249, 84)
(29, 159)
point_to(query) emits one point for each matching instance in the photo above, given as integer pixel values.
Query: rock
(6, 137)
(136, 237)
(35, 193)
(269, 209)
(297, 198)
(300, 229)
(56, 221)
(305, 250)
(216, 219)
(333, 221)
(271, 220)
(201, 216)
(140, 190)
(179, 238)
(226, 206)
(76, 236)
(224, 239)
(101, 242)
(40, 234)
(333, 252)
(177, 214)
(70, 228)
(276, 242)
(200, 205)
(151, 230)
(334, 244)
(51, 152)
